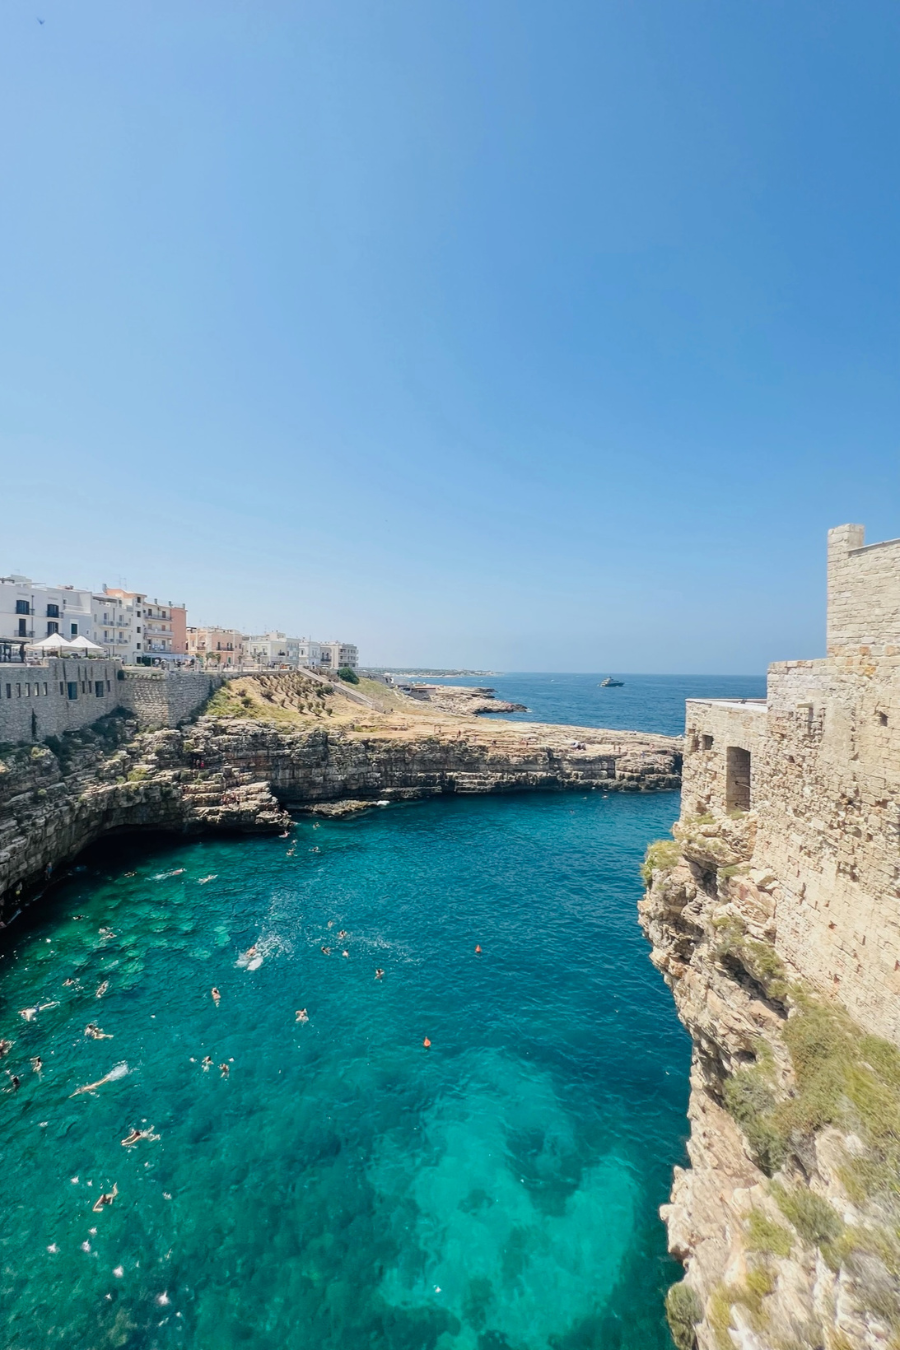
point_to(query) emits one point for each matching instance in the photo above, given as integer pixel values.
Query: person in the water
(15, 1082)
(106, 1199)
(215, 995)
(5, 1047)
(326, 951)
(37, 1063)
(102, 989)
(207, 1063)
(302, 1015)
(95, 1033)
(135, 1135)
(225, 1070)
(379, 974)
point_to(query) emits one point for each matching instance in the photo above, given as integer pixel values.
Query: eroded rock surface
(243, 772)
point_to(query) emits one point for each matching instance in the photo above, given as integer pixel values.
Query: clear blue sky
(540, 336)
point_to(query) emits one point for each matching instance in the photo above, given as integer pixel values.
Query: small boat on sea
(610, 683)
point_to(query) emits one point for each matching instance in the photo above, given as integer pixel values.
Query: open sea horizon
(643, 703)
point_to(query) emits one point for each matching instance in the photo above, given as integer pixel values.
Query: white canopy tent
(55, 645)
(86, 647)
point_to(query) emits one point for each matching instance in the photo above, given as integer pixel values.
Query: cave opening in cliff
(737, 779)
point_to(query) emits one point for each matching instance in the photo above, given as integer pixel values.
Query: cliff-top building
(160, 629)
(216, 646)
(31, 611)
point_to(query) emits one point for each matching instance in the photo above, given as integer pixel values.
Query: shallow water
(346, 1187)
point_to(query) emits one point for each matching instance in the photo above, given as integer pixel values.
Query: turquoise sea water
(345, 1186)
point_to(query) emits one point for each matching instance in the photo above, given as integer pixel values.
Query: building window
(28, 691)
(52, 627)
(706, 742)
(98, 688)
(9, 691)
(72, 688)
(74, 630)
(45, 689)
(23, 628)
(53, 611)
(23, 607)
(62, 687)
(737, 779)
(108, 686)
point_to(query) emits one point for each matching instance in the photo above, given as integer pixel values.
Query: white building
(336, 655)
(271, 649)
(31, 610)
(117, 627)
(276, 649)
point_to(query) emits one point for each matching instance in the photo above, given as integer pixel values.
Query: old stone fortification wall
(60, 695)
(771, 924)
(711, 729)
(863, 590)
(64, 695)
(165, 698)
(825, 778)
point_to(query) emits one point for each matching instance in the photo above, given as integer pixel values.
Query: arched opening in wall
(737, 779)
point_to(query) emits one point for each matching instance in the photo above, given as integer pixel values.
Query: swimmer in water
(37, 1063)
(103, 988)
(207, 1063)
(302, 1015)
(79, 916)
(427, 1043)
(343, 933)
(330, 923)
(135, 1135)
(96, 1034)
(106, 932)
(249, 954)
(345, 953)
(118, 1072)
(5, 1047)
(379, 974)
(29, 1013)
(215, 995)
(68, 981)
(225, 1070)
(326, 951)
(15, 1082)
(477, 950)
(106, 1199)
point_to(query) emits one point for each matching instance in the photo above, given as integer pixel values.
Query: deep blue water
(345, 1187)
(644, 703)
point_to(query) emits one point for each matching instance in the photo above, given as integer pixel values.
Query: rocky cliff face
(241, 774)
(788, 1220)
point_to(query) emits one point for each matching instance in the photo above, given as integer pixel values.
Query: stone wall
(863, 590)
(165, 698)
(64, 694)
(712, 727)
(825, 753)
(58, 696)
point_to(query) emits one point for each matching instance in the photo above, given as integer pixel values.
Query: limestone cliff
(787, 1220)
(241, 772)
